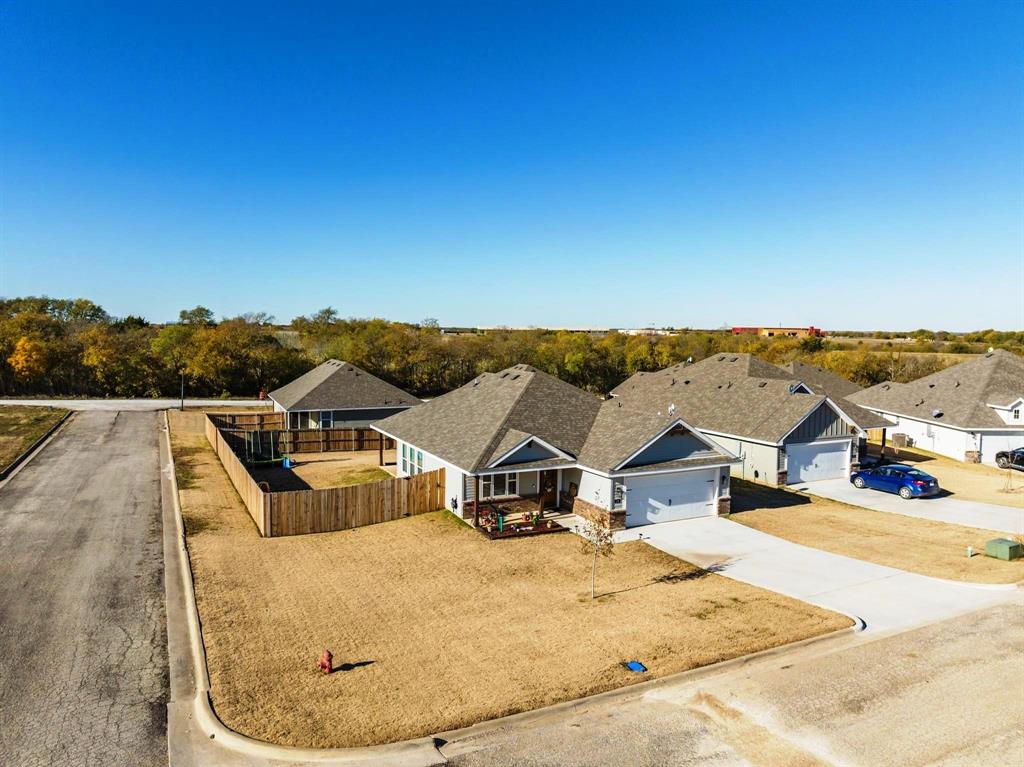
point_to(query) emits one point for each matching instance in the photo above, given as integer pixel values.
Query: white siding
(453, 486)
(937, 439)
(760, 462)
(596, 489)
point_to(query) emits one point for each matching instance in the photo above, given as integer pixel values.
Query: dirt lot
(969, 481)
(320, 470)
(21, 426)
(916, 545)
(434, 627)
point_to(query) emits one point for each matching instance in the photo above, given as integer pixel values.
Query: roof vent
(919, 403)
(476, 382)
(936, 413)
(672, 409)
(734, 359)
(793, 388)
(722, 358)
(515, 377)
(686, 382)
(886, 387)
(673, 382)
(762, 384)
(503, 375)
(957, 385)
(931, 386)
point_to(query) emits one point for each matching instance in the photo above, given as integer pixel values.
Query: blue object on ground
(287, 462)
(637, 666)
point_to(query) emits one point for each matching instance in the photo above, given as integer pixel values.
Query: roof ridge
(502, 426)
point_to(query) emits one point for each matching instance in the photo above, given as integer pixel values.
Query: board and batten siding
(823, 423)
(760, 462)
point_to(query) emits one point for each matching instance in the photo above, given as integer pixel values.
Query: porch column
(476, 501)
(380, 446)
(881, 452)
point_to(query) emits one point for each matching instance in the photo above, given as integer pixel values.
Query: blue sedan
(906, 481)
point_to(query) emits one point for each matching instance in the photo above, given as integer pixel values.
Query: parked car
(906, 481)
(1011, 459)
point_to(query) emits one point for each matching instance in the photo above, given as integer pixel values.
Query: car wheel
(905, 493)
(858, 482)
(1001, 462)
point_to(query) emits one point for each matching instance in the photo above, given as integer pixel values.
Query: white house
(969, 411)
(337, 393)
(522, 433)
(783, 431)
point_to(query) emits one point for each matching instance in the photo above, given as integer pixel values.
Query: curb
(420, 752)
(7, 470)
(630, 692)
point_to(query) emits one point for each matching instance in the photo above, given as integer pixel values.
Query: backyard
(921, 546)
(967, 481)
(323, 470)
(21, 426)
(433, 626)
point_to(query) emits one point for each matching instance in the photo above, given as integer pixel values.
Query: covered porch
(520, 503)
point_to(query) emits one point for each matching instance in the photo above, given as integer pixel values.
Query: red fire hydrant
(326, 662)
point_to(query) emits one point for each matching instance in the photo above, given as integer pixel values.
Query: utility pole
(183, 391)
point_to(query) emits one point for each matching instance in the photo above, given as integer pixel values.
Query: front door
(549, 489)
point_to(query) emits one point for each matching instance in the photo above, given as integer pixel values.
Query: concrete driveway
(134, 405)
(989, 516)
(83, 659)
(884, 598)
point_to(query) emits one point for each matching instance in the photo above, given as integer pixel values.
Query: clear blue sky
(848, 165)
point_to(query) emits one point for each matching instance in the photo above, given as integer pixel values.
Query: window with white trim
(1016, 414)
(405, 458)
(499, 485)
(618, 496)
(326, 419)
(419, 461)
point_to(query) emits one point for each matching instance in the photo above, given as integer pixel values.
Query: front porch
(517, 517)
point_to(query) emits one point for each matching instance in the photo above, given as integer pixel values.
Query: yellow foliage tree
(28, 361)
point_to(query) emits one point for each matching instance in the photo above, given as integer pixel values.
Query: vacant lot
(321, 470)
(21, 426)
(434, 627)
(967, 481)
(916, 545)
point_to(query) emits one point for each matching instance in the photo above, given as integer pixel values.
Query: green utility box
(1004, 548)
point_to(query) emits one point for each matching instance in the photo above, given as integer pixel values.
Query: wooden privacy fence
(320, 511)
(248, 421)
(288, 441)
(252, 495)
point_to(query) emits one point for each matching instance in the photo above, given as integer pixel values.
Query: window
(618, 496)
(326, 419)
(419, 461)
(1016, 414)
(293, 420)
(499, 485)
(405, 458)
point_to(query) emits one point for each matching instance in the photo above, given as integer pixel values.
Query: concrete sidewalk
(988, 516)
(134, 405)
(884, 598)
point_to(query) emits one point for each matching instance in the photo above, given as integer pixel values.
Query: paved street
(134, 405)
(83, 661)
(949, 694)
(988, 516)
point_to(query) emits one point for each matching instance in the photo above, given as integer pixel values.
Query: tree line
(72, 347)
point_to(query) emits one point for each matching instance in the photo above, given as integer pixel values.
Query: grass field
(323, 470)
(21, 426)
(920, 546)
(434, 627)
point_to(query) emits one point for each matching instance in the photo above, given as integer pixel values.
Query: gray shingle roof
(962, 393)
(838, 389)
(479, 422)
(734, 394)
(336, 385)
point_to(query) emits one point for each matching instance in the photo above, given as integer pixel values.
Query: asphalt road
(83, 651)
(124, 405)
(950, 693)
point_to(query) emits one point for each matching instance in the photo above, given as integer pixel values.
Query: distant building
(783, 332)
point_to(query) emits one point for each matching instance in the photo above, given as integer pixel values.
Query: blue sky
(847, 165)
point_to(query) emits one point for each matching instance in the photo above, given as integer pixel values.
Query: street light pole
(183, 391)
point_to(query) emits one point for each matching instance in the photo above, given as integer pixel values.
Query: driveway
(83, 660)
(134, 405)
(989, 516)
(884, 598)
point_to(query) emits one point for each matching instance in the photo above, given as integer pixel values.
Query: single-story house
(969, 411)
(523, 434)
(337, 393)
(783, 432)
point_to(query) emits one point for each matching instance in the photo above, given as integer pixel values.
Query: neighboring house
(522, 433)
(780, 332)
(969, 411)
(821, 381)
(337, 394)
(783, 431)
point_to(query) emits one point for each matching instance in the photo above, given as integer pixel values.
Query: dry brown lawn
(968, 481)
(917, 545)
(323, 470)
(434, 627)
(21, 426)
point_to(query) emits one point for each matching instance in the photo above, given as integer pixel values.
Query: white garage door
(810, 461)
(665, 497)
(994, 443)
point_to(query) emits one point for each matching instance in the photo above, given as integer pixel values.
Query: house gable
(823, 423)
(676, 444)
(533, 449)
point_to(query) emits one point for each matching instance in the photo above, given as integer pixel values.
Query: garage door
(994, 443)
(810, 461)
(665, 497)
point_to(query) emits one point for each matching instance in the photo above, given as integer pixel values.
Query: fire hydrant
(326, 662)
